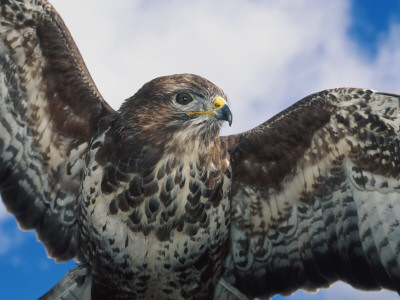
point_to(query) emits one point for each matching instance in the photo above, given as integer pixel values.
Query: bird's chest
(163, 231)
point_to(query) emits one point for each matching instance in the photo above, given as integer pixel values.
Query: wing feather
(49, 110)
(316, 196)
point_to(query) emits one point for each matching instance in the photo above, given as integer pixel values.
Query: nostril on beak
(219, 102)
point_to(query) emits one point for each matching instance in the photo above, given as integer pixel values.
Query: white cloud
(264, 54)
(343, 291)
(256, 51)
(10, 237)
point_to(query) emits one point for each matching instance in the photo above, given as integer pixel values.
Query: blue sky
(265, 55)
(371, 22)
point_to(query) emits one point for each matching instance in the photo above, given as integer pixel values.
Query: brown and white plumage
(153, 203)
(45, 131)
(316, 196)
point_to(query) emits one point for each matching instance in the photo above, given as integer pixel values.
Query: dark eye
(183, 98)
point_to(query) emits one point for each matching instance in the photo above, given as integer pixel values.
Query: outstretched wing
(316, 196)
(49, 109)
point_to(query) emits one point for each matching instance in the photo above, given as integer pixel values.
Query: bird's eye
(184, 98)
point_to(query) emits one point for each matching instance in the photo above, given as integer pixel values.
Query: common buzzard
(153, 203)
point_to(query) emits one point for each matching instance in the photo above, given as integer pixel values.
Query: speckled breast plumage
(162, 233)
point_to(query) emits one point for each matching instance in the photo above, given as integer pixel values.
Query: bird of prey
(153, 204)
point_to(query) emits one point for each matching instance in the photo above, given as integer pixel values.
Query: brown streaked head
(182, 105)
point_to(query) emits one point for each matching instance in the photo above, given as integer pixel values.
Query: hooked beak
(222, 111)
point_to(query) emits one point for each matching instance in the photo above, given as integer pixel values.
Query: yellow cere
(219, 102)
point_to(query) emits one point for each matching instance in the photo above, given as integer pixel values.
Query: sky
(265, 55)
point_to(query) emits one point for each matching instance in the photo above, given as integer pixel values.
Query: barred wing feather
(316, 196)
(49, 109)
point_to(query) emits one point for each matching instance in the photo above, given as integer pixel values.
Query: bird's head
(176, 109)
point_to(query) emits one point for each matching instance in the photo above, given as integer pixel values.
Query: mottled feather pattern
(154, 204)
(32, 153)
(41, 161)
(324, 220)
(170, 224)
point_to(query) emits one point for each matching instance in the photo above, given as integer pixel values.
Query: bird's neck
(141, 152)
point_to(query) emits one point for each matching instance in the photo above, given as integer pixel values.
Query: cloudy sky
(264, 54)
